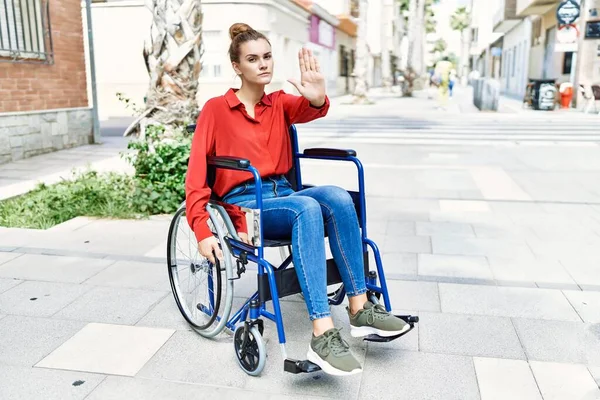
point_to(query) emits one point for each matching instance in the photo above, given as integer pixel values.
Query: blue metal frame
(256, 254)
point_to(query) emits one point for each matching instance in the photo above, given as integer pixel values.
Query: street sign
(568, 11)
(567, 34)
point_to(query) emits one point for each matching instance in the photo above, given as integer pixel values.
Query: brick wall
(30, 87)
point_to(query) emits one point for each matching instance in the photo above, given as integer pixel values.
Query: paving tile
(108, 349)
(131, 274)
(72, 224)
(165, 314)
(399, 263)
(537, 270)
(40, 299)
(400, 228)
(118, 388)
(188, 357)
(112, 305)
(595, 371)
(53, 268)
(417, 296)
(418, 376)
(516, 302)
(274, 379)
(444, 228)
(584, 271)
(479, 247)
(496, 183)
(30, 383)
(501, 379)
(7, 256)
(407, 244)
(464, 206)
(454, 266)
(560, 341)
(564, 381)
(6, 284)
(468, 335)
(587, 304)
(26, 340)
(504, 230)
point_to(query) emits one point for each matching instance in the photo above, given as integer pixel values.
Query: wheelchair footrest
(299, 366)
(411, 320)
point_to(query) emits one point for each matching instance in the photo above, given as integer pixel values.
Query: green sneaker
(374, 319)
(330, 352)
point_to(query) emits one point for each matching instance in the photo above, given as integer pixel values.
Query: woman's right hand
(208, 246)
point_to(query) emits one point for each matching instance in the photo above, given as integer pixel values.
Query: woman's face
(256, 62)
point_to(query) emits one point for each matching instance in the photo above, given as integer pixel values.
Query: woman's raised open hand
(312, 83)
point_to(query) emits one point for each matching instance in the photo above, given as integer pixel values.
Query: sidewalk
(21, 176)
(496, 248)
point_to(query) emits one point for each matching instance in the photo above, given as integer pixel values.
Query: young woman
(250, 124)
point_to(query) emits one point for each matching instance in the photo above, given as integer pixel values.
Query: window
(343, 58)
(216, 71)
(567, 63)
(536, 31)
(212, 41)
(474, 35)
(24, 35)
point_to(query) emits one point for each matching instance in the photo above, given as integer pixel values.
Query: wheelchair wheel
(250, 350)
(333, 291)
(202, 290)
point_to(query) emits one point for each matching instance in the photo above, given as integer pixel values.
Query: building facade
(285, 24)
(527, 41)
(43, 98)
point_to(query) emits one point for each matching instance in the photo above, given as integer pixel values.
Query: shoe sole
(361, 331)
(326, 367)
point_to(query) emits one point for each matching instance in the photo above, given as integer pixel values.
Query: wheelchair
(209, 312)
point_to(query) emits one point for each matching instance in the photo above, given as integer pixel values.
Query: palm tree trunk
(360, 66)
(172, 52)
(412, 32)
(420, 38)
(386, 37)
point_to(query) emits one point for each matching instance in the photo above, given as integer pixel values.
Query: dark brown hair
(241, 33)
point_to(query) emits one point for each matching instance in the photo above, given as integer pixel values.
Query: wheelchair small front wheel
(250, 349)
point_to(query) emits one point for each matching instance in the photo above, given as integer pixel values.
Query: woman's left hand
(312, 83)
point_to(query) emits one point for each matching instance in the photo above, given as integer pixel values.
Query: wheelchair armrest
(323, 152)
(229, 162)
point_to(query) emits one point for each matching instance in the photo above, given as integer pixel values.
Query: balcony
(534, 7)
(506, 17)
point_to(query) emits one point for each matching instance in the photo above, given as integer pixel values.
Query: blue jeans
(305, 215)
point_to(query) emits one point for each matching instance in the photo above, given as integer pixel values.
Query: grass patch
(87, 194)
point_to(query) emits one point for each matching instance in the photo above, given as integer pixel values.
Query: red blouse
(224, 128)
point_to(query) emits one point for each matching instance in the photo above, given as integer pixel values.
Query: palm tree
(420, 22)
(461, 21)
(172, 52)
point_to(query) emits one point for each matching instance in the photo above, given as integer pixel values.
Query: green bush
(160, 165)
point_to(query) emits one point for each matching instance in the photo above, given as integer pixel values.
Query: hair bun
(238, 28)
